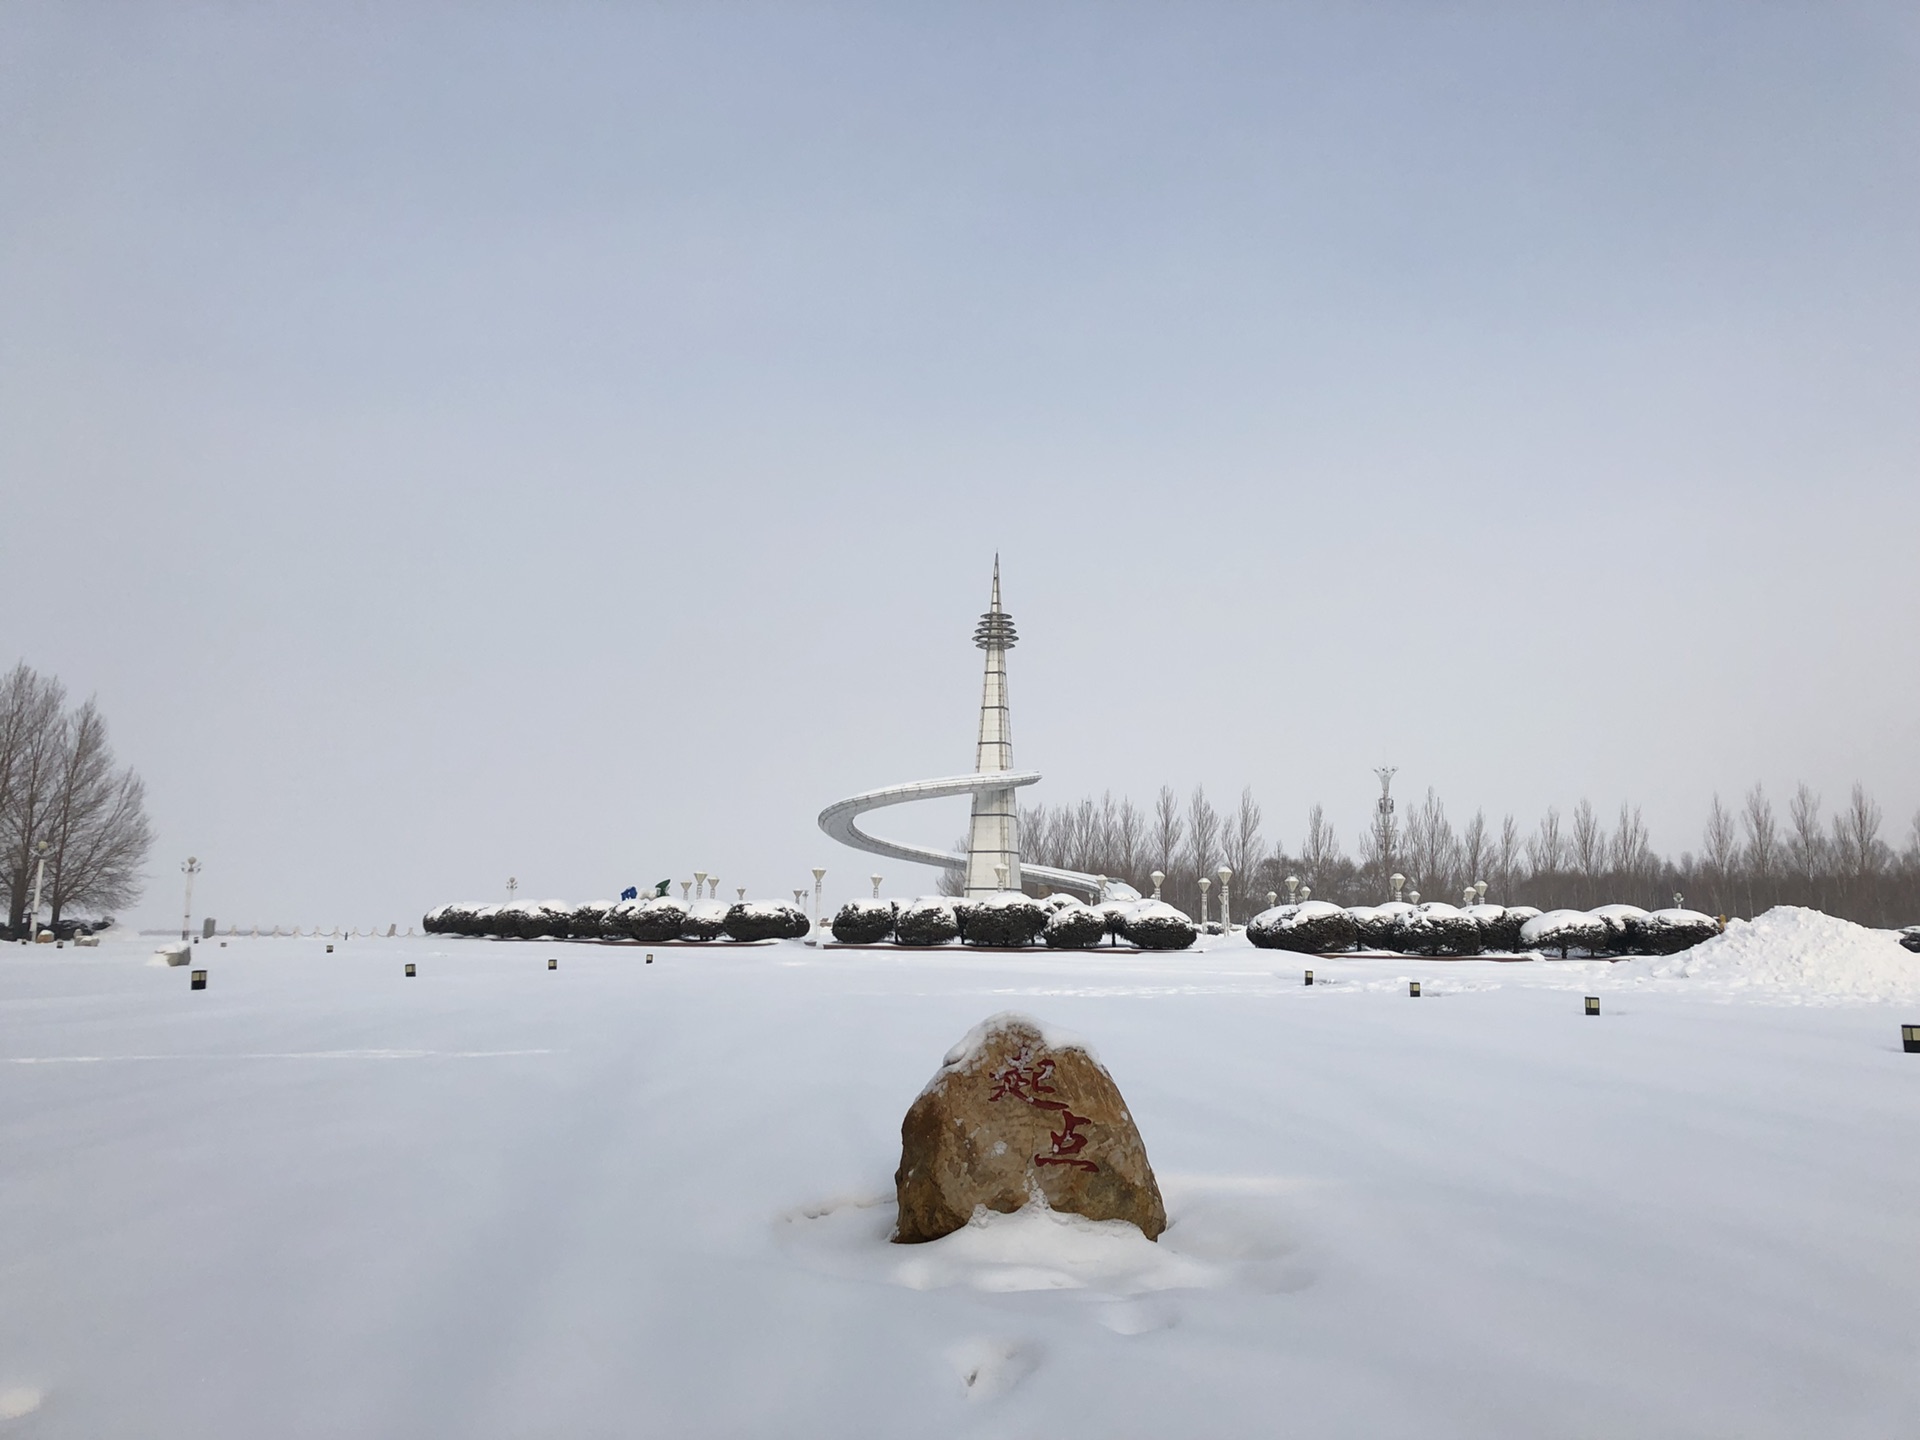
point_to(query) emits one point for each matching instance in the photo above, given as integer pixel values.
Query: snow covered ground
(616, 1199)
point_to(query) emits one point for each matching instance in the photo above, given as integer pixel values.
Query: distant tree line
(60, 789)
(1750, 858)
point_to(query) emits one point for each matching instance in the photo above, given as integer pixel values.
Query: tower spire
(993, 837)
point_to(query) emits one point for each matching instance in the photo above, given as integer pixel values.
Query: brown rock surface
(1011, 1113)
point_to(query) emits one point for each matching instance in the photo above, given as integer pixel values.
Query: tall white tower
(993, 838)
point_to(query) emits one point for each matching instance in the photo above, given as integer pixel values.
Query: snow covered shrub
(617, 922)
(479, 920)
(764, 920)
(1910, 938)
(1005, 918)
(1381, 926)
(1075, 927)
(654, 921)
(434, 922)
(1057, 901)
(1115, 912)
(589, 921)
(1313, 927)
(1437, 928)
(863, 922)
(1667, 932)
(1626, 927)
(1499, 926)
(705, 920)
(927, 921)
(553, 917)
(1566, 930)
(1156, 925)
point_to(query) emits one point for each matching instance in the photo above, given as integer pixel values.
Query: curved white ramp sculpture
(993, 835)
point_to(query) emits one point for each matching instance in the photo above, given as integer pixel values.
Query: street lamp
(1226, 877)
(1396, 880)
(1000, 873)
(190, 868)
(819, 874)
(875, 878)
(1480, 891)
(1293, 888)
(512, 885)
(700, 883)
(1205, 886)
(1157, 876)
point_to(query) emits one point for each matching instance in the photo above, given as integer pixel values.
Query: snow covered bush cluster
(1438, 929)
(653, 920)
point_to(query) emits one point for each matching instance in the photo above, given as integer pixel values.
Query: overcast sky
(572, 441)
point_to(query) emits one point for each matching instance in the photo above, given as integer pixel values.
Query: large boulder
(1156, 925)
(1313, 927)
(926, 921)
(863, 922)
(1015, 1114)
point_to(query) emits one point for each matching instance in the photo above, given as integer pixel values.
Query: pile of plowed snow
(1793, 953)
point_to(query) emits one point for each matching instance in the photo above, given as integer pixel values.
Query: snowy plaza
(619, 1198)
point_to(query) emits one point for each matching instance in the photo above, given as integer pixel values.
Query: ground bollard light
(409, 970)
(553, 963)
(329, 949)
(198, 980)
(1309, 977)
(649, 957)
(1413, 988)
(1910, 1039)
(1593, 1004)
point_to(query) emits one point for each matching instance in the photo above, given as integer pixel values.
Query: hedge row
(1319, 928)
(1010, 920)
(654, 920)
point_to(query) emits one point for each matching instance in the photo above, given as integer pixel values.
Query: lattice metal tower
(993, 837)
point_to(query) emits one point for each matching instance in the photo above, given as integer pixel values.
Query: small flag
(632, 892)
(662, 888)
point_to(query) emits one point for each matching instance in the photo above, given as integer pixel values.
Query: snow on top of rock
(978, 1037)
(1795, 955)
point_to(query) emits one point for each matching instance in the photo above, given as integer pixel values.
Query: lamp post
(819, 874)
(1273, 898)
(1000, 873)
(1413, 897)
(40, 848)
(685, 886)
(1396, 880)
(1205, 886)
(189, 868)
(1480, 892)
(799, 897)
(700, 883)
(1293, 888)
(876, 885)
(1306, 893)
(1157, 876)
(512, 885)
(1226, 879)
(1679, 901)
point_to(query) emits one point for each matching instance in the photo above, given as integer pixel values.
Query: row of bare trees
(1750, 857)
(64, 800)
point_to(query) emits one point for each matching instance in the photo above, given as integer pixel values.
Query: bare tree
(1547, 858)
(1856, 839)
(1167, 831)
(1431, 852)
(34, 728)
(1475, 847)
(1320, 852)
(1633, 863)
(1762, 850)
(1589, 851)
(1508, 852)
(1128, 833)
(1203, 834)
(1806, 847)
(97, 823)
(1720, 850)
(1244, 851)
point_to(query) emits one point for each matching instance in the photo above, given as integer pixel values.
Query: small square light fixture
(409, 970)
(1309, 977)
(198, 980)
(1593, 1004)
(329, 949)
(1910, 1039)
(649, 957)
(553, 962)
(1413, 988)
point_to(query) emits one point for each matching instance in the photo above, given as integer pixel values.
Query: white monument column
(993, 837)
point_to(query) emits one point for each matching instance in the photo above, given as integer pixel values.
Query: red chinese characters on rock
(1025, 1080)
